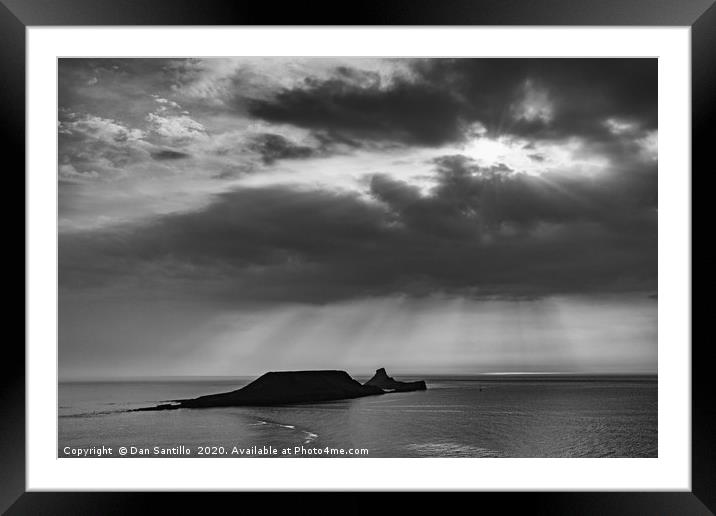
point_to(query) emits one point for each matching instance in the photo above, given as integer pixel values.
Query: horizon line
(242, 376)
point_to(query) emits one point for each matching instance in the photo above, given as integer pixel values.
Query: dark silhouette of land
(288, 387)
(387, 383)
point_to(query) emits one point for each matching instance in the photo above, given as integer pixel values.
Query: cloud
(488, 202)
(357, 106)
(221, 82)
(442, 99)
(67, 172)
(463, 222)
(408, 101)
(103, 129)
(480, 232)
(274, 147)
(166, 103)
(534, 106)
(178, 129)
(168, 154)
(98, 148)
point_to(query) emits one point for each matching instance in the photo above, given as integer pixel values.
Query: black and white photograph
(307, 257)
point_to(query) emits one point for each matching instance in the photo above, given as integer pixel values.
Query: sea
(467, 416)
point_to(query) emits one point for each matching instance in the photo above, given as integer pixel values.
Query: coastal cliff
(387, 383)
(287, 387)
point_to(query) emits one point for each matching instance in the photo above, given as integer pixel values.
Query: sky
(230, 216)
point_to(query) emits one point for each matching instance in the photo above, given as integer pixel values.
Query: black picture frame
(17, 15)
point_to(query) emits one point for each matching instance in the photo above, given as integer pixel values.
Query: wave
(308, 437)
(452, 449)
(93, 413)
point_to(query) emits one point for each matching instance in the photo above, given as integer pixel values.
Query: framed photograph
(426, 248)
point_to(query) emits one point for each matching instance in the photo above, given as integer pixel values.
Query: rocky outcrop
(281, 388)
(387, 383)
(287, 387)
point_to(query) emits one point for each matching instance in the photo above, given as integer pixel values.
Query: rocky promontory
(387, 383)
(288, 387)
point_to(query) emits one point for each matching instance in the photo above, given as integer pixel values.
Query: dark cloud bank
(479, 232)
(445, 95)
